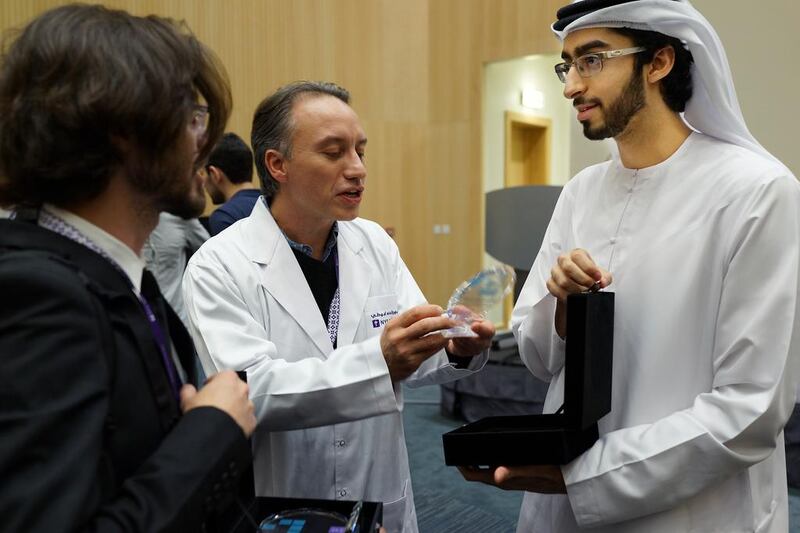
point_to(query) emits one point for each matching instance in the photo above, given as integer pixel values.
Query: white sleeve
(648, 468)
(436, 369)
(350, 384)
(533, 319)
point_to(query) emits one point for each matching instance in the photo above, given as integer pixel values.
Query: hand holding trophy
(475, 297)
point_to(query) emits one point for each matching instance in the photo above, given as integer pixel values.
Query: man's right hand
(226, 392)
(404, 343)
(574, 272)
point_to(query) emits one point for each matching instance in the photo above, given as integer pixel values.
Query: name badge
(379, 310)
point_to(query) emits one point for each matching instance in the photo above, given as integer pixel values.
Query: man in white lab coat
(696, 228)
(320, 310)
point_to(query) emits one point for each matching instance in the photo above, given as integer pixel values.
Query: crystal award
(475, 297)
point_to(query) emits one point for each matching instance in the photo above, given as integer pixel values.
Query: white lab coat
(705, 253)
(329, 421)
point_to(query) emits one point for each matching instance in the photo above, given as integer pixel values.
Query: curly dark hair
(78, 79)
(676, 87)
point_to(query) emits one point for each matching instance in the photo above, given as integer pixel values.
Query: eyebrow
(335, 139)
(584, 48)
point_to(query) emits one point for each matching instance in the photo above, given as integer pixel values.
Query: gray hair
(272, 124)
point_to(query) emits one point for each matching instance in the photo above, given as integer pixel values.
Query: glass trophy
(475, 297)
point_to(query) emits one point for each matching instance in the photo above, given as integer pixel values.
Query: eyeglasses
(199, 121)
(590, 64)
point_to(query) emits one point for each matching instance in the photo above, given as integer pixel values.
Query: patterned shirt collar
(308, 250)
(84, 232)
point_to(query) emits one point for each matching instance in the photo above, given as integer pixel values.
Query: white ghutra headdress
(713, 108)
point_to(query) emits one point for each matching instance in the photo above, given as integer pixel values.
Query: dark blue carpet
(445, 502)
(448, 504)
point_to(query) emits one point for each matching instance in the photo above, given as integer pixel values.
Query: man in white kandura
(696, 228)
(320, 310)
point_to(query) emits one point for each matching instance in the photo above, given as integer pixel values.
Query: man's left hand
(472, 346)
(544, 479)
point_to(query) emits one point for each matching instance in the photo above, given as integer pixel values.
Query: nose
(356, 170)
(574, 85)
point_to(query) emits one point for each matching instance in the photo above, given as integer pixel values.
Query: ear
(276, 165)
(661, 65)
(214, 174)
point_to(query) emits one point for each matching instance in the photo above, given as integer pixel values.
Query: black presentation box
(552, 439)
(369, 520)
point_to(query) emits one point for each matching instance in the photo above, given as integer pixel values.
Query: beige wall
(414, 68)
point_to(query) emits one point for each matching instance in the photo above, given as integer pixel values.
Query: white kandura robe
(705, 265)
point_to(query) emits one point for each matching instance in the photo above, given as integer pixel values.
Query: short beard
(163, 181)
(620, 112)
(185, 207)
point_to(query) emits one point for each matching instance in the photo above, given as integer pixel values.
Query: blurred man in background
(230, 180)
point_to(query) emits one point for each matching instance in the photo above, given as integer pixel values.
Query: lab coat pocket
(394, 513)
(378, 310)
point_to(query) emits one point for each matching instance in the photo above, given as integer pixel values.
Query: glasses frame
(562, 69)
(199, 120)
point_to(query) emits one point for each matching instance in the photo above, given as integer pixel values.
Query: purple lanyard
(60, 226)
(161, 342)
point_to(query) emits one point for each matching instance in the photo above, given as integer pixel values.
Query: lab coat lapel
(354, 283)
(282, 277)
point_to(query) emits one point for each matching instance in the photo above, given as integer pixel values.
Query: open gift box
(552, 438)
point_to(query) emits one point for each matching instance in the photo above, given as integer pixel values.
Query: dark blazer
(91, 436)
